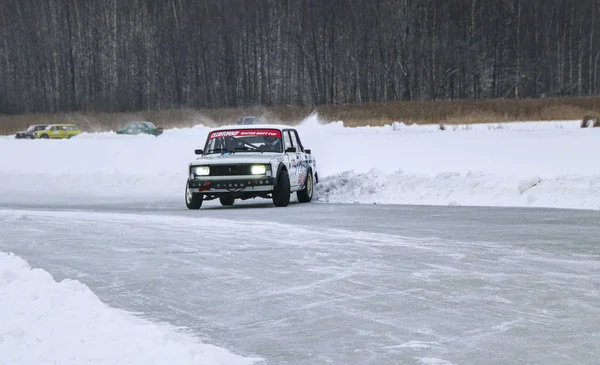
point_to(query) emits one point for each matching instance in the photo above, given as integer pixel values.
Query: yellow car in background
(58, 131)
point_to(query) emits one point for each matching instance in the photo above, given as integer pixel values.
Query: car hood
(235, 158)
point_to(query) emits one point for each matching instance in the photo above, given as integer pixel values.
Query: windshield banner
(246, 133)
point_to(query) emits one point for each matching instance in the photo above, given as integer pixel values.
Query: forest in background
(107, 56)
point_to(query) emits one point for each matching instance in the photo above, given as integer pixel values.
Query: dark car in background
(134, 128)
(249, 120)
(29, 133)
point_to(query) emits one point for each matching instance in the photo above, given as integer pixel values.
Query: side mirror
(307, 151)
(198, 152)
(291, 149)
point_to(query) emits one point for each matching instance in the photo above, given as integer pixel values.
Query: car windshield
(243, 140)
(33, 128)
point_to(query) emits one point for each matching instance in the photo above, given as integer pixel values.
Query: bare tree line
(122, 55)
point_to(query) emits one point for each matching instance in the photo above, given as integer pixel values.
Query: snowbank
(47, 322)
(472, 189)
(541, 164)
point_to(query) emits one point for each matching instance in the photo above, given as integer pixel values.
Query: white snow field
(535, 164)
(352, 291)
(47, 322)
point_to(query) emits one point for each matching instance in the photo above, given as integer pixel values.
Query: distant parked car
(58, 131)
(29, 133)
(134, 128)
(249, 120)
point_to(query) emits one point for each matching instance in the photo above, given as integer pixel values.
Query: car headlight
(258, 169)
(201, 170)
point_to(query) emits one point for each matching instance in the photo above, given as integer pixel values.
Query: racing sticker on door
(302, 168)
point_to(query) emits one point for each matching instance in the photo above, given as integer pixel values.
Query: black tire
(281, 194)
(305, 195)
(226, 200)
(192, 200)
(44, 136)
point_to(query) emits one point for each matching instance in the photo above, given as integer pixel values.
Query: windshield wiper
(245, 149)
(216, 150)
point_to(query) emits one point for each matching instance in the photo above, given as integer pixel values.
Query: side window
(286, 140)
(294, 140)
(297, 139)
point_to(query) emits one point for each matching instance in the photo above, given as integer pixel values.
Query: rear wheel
(305, 195)
(226, 200)
(192, 200)
(281, 194)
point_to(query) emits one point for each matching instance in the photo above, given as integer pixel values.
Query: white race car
(244, 162)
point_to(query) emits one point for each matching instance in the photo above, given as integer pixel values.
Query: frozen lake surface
(337, 284)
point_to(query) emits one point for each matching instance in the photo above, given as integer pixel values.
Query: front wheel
(192, 200)
(281, 194)
(45, 136)
(305, 195)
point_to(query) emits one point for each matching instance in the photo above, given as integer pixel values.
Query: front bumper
(227, 184)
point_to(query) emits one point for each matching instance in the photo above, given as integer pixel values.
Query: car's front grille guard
(229, 170)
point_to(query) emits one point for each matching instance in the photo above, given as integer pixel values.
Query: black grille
(225, 170)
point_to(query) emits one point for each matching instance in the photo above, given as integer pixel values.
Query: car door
(149, 128)
(290, 158)
(301, 161)
(55, 132)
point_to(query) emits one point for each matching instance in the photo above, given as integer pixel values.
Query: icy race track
(436, 276)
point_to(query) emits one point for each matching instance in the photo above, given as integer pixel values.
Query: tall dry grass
(421, 112)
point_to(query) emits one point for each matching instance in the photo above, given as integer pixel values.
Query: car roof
(254, 126)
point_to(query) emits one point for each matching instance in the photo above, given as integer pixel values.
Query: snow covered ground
(544, 164)
(47, 322)
(535, 164)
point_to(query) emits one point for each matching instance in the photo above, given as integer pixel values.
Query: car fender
(280, 166)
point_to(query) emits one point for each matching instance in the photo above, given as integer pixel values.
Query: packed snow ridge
(48, 322)
(526, 164)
